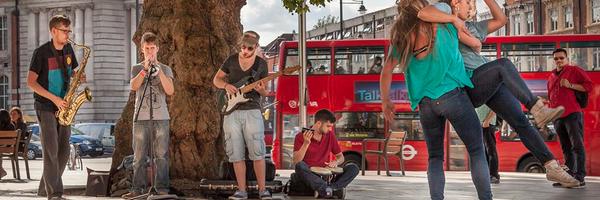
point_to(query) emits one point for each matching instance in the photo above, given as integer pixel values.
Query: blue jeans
(316, 183)
(570, 132)
(499, 85)
(142, 133)
(456, 107)
(488, 78)
(244, 128)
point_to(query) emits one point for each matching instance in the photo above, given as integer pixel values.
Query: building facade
(371, 25)
(554, 17)
(106, 26)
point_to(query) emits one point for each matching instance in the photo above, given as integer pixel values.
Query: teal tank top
(441, 71)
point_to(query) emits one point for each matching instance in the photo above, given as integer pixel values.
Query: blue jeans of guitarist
(244, 128)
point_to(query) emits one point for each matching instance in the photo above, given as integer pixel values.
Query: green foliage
(295, 6)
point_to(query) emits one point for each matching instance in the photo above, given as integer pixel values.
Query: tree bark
(195, 37)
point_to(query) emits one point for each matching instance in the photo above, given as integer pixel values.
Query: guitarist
(245, 124)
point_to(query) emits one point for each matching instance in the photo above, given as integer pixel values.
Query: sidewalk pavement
(371, 187)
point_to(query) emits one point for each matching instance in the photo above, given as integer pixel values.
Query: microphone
(154, 69)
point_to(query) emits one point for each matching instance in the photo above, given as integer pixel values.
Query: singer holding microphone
(152, 124)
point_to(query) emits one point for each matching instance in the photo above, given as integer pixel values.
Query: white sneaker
(556, 173)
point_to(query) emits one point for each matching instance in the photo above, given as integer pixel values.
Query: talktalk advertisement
(368, 92)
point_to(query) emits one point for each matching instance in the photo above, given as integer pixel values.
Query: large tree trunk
(195, 37)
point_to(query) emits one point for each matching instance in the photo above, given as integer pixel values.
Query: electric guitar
(227, 103)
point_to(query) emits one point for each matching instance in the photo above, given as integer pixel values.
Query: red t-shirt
(562, 96)
(318, 151)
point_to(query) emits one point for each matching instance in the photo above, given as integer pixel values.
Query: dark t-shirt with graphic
(234, 72)
(54, 68)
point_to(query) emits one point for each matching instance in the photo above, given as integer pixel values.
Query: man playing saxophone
(51, 67)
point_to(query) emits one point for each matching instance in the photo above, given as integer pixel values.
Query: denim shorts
(244, 129)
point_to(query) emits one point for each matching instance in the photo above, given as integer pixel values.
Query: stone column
(32, 39)
(78, 30)
(78, 25)
(132, 29)
(43, 28)
(89, 41)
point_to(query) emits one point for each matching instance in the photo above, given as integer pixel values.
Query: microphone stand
(152, 193)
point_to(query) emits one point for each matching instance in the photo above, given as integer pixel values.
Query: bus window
(530, 57)
(583, 54)
(410, 123)
(291, 128)
(489, 51)
(318, 60)
(359, 125)
(358, 60)
(507, 133)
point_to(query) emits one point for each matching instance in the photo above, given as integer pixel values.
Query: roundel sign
(292, 104)
(408, 152)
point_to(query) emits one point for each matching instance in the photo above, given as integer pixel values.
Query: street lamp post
(361, 10)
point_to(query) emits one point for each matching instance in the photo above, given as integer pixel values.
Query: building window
(596, 59)
(553, 20)
(3, 33)
(568, 17)
(595, 11)
(4, 91)
(517, 25)
(529, 16)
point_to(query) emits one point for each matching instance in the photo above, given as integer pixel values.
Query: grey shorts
(244, 129)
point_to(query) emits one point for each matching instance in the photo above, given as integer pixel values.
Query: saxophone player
(51, 67)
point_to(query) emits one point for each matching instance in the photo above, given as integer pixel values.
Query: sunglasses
(248, 48)
(559, 58)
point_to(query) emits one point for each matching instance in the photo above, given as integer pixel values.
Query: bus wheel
(352, 158)
(531, 165)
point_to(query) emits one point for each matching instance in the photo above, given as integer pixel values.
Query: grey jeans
(56, 149)
(143, 136)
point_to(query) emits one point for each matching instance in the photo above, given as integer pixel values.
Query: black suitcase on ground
(295, 187)
(226, 171)
(219, 188)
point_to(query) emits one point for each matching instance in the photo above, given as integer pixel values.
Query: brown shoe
(130, 195)
(542, 114)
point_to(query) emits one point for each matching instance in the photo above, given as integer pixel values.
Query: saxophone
(66, 116)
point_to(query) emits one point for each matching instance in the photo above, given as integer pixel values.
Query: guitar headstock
(292, 69)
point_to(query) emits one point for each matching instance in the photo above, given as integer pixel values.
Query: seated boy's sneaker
(327, 193)
(239, 195)
(556, 173)
(265, 195)
(339, 193)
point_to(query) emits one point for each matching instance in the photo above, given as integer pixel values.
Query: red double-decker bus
(341, 77)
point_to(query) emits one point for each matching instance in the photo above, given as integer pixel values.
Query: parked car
(105, 132)
(34, 149)
(87, 145)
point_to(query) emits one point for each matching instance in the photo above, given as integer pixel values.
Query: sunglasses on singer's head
(559, 58)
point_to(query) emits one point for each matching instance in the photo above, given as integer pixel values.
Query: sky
(270, 19)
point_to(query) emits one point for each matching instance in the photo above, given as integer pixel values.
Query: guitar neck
(251, 86)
